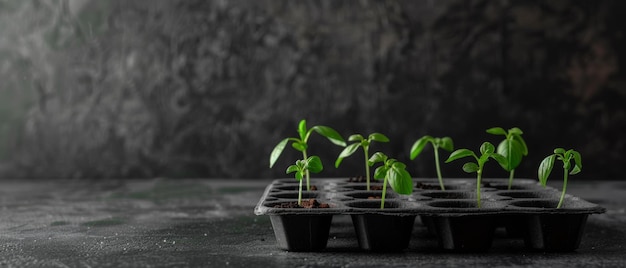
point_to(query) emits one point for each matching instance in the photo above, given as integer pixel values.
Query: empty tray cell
(363, 187)
(460, 207)
(371, 195)
(513, 187)
(450, 195)
(422, 185)
(524, 194)
(466, 204)
(537, 204)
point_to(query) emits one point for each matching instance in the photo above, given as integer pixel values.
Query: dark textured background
(97, 89)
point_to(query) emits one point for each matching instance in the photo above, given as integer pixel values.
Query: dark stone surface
(210, 223)
(196, 88)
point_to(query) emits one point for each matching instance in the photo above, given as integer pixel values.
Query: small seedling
(360, 141)
(545, 168)
(513, 148)
(301, 143)
(394, 172)
(487, 150)
(311, 164)
(445, 143)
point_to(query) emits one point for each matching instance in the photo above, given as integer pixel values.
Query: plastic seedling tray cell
(527, 210)
(551, 229)
(382, 232)
(301, 232)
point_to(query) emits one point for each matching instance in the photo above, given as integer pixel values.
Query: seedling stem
(445, 143)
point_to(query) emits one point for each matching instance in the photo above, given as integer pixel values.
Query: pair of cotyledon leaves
(312, 164)
(399, 179)
(545, 168)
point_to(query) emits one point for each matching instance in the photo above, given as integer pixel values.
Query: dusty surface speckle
(198, 222)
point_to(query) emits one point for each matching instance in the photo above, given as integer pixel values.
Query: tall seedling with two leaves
(445, 143)
(487, 150)
(394, 172)
(513, 148)
(545, 168)
(360, 141)
(301, 144)
(311, 164)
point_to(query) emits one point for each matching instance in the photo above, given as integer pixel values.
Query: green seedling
(301, 143)
(360, 141)
(302, 167)
(513, 148)
(487, 150)
(545, 168)
(444, 143)
(394, 172)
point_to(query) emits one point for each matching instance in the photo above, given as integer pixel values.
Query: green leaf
(447, 144)
(522, 144)
(378, 137)
(484, 158)
(559, 151)
(496, 131)
(487, 148)
(578, 160)
(332, 135)
(314, 164)
(400, 180)
(500, 159)
(407, 183)
(398, 165)
(300, 146)
(470, 167)
(365, 144)
(578, 165)
(348, 151)
(298, 175)
(355, 137)
(302, 129)
(377, 157)
(460, 153)
(277, 151)
(515, 131)
(512, 153)
(575, 170)
(380, 173)
(419, 145)
(292, 168)
(545, 168)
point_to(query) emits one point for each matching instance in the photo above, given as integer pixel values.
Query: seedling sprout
(301, 144)
(487, 150)
(445, 143)
(545, 168)
(360, 141)
(513, 148)
(312, 164)
(394, 172)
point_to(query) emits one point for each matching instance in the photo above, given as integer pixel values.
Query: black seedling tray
(527, 211)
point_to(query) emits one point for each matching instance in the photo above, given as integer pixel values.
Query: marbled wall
(97, 89)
